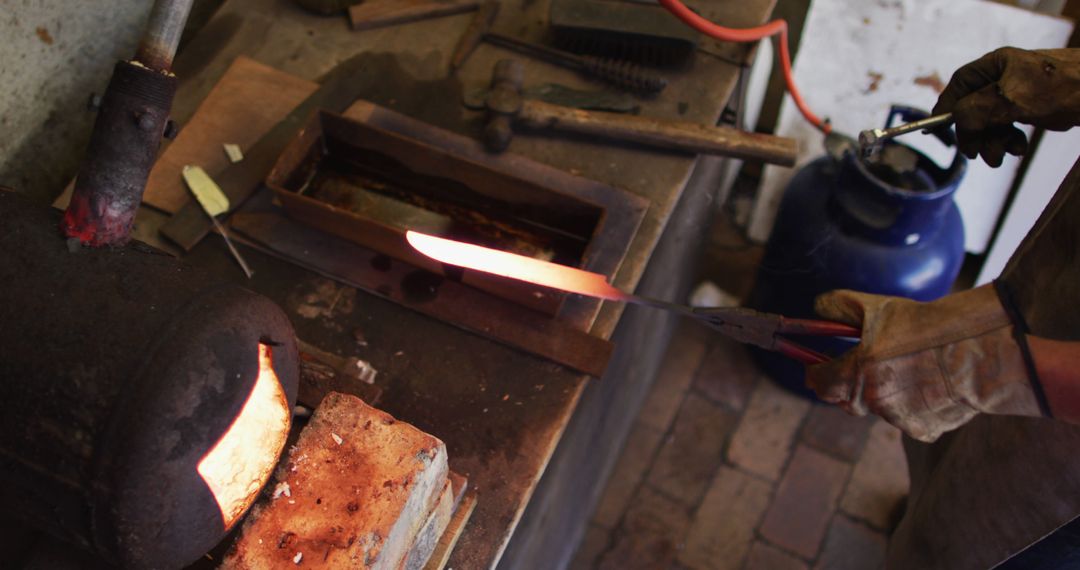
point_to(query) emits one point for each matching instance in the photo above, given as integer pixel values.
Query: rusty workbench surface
(500, 412)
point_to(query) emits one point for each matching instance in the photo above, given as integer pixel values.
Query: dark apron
(986, 491)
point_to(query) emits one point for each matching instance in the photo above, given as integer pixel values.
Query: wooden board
(236, 111)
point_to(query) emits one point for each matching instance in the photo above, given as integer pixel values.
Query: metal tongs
(763, 330)
(744, 325)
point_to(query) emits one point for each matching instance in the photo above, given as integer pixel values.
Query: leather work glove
(986, 96)
(926, 368)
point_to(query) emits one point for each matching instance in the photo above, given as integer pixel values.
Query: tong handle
(799, 352)
(810, 327)
(813, 327)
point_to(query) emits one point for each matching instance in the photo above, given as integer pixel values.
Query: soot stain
(421, 286)
(381, 262)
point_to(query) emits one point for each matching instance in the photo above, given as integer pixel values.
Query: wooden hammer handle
(678, 135)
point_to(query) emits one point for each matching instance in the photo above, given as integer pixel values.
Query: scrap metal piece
(322, 372)
(233, 152)
(210, 197)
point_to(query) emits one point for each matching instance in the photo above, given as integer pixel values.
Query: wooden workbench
(505, 416)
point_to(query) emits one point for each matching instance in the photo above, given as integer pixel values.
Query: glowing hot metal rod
(741, 324)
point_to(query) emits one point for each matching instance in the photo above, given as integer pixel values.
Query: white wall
(848, 44)
(53, 55)
(1055, 157)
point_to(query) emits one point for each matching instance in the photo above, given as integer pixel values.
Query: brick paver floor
(725, 470)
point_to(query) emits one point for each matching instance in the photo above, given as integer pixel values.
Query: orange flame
(515, 266)
(241, 461)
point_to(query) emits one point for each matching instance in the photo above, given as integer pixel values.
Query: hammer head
(503, 103)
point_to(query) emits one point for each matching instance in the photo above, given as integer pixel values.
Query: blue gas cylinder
(887, 226)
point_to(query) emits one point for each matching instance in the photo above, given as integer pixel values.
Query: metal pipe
(127, 133)
(122, 150)
(163, 31)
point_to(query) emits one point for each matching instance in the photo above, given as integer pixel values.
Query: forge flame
(514, 266)
(241, 461)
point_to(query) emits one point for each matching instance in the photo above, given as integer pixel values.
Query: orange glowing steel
(515, 266)
(241, 461)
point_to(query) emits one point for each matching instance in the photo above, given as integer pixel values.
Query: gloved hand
(926, 368)
(986, 96)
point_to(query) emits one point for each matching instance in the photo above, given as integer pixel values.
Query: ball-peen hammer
(506, 107)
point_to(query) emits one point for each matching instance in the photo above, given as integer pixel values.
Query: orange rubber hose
(776, 27)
